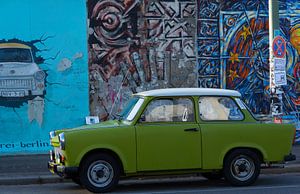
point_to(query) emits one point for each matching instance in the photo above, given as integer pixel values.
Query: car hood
(105, 124)
(17, 69)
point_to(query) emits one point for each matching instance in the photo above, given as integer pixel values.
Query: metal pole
(273, 31)
(273, 26)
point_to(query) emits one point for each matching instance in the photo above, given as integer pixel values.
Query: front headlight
(62, 140)
(52, 134)
(39, 75)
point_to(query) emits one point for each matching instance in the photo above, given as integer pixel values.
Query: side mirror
(142, 118)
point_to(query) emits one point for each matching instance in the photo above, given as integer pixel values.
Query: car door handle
(192, 129)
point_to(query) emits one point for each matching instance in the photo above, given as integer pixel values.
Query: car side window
(170, 110)
(219, 108)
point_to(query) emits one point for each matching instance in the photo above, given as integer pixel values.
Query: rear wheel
(242, 167)
(99, 173)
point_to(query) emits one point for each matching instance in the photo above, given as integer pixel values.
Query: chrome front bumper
(63, 171)
(56, 167)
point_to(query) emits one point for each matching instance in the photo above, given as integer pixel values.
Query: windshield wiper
(117, 116)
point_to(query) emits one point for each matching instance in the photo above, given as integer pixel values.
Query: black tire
(99, 173)
(213, 175)
(242, 167)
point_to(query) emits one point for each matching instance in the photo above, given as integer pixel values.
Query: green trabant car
(172, 131)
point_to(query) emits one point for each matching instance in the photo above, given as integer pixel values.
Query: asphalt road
(266, 184)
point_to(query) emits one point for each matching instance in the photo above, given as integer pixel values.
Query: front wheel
(242, 167)
(99, 173)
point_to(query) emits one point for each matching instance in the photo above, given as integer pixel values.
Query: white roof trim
(190, 92)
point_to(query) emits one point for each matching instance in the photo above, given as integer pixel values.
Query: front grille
(16, 83)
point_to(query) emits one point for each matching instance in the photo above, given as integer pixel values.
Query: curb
(28, 180)
(10, 179)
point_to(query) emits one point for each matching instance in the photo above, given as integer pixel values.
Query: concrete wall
(138, 45)
(96, 53)
(56, 33)
(233, 50)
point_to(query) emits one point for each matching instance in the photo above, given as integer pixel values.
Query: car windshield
(131, 108)
(15, 55)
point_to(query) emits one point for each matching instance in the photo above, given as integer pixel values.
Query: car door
(168, 137)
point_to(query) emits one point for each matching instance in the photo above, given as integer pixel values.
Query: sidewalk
(32, 169)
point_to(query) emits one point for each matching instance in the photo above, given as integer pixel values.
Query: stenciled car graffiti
(20, 76)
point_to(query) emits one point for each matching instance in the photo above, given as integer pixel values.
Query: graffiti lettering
(7, 145)
(35, 144)
(21, 144)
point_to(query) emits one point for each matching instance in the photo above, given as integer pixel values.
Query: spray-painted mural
(233, 50)
(21, 78)
(138, 45)
(132, 46)
(43, 72)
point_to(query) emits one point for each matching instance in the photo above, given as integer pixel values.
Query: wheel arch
(104, 151)
(255, 150)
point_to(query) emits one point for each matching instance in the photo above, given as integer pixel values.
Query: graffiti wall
(54, 72)
(43, 72)
(138, 45)
(233, 50)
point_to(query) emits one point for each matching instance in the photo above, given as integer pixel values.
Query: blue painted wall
(56, 31)
(233, 50)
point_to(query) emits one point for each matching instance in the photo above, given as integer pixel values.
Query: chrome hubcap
(100, 173)
(242, 168)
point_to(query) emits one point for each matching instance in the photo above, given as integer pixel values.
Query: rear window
(219, 109)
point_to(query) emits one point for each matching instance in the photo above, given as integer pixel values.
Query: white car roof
(190, 92)
(13, 45)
